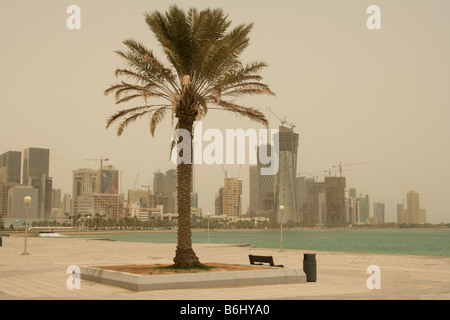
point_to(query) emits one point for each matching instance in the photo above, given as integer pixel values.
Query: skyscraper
(287, 172)
(165, 187)
(413, 213)
(36, 163)
(10, 163)
(378, 212)
(84, 184)
(352, 213)
(232, 197)
(10, 167)
(253, 185)
(16, 206)
(335, 200)
(399, 212)
(218, 203)
(363, 208)
(315, 202)
(265, 185)
(158, 182)
(301, 198)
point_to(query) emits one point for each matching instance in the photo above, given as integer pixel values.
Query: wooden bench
(256, 260)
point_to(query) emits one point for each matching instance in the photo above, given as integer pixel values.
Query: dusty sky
(354, 94)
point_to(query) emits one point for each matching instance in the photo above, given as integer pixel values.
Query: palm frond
(132, 111)
(251, 113)
(157, 116)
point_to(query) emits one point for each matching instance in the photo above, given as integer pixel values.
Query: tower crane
(101, 168)
(330, 171)
(135, 181)
(340, 165)
(101, 161)
(283, 121)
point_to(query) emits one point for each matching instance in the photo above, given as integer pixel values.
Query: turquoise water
(411, 242)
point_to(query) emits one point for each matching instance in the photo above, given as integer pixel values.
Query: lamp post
(207, 215)
(281, 227)
(27, 201)
(88, 219)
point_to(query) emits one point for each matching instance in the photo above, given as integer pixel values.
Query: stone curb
(138, 282)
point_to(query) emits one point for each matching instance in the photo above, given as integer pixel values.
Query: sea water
(410, 242)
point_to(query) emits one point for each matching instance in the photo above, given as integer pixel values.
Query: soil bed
(161, 269)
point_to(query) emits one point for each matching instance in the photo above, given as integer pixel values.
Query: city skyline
(339, 200)
(354, 94)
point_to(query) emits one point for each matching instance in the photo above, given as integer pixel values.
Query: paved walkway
(42, 273)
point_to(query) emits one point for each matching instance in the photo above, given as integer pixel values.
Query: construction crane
(224, 172)
(283, 121)
(101, 161)
(135, 181)
(330, 171)
(340, 165)
(101, 168)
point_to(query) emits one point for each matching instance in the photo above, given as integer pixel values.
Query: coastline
(75, 231)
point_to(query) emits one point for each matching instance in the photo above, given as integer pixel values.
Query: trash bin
(310, 266)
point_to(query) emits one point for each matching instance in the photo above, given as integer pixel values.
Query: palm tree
(202, 68)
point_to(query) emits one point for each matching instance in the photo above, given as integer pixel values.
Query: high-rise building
(262, 187)
(67, 204)
(351, 202)
(36, 162)
(335, 200)
(109, 180)
(315, 202)
(56, 199)
(352, 193)
(253, 185)
(287, 172)
(301, 198)
(10, 163)
(413, 213)
(170, 181)
(84, 182)
(363, 208)
(378, 212)
(10, 167)
(4, 189)
(399, 212)
(218, 203)
(165, 186)
(16, 206)
(158, 182)
(232, 197)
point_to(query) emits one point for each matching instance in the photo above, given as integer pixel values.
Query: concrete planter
(138, 282)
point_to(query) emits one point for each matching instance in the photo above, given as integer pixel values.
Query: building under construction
(335, 200)
(287, 172)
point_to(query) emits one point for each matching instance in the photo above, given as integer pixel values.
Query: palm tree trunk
(185, 255)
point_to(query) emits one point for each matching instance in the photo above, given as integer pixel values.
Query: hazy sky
(354, 94)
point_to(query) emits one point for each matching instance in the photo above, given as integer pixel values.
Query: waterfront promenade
(42, 273)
